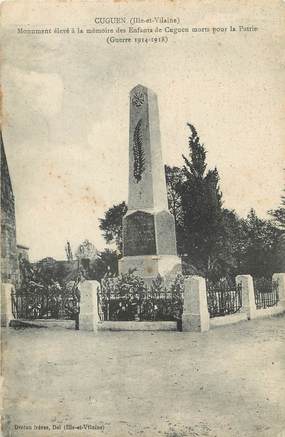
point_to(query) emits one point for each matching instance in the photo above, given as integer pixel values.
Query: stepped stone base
(149, 266)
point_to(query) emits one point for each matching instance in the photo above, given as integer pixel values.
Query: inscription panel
(139, 234)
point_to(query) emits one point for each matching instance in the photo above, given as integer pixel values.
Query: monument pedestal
(149, 239)
(149, 266)
(149, 244)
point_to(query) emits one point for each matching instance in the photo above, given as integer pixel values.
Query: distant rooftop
(20, 246)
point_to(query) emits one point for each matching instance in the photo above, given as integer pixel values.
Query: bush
(127, 297)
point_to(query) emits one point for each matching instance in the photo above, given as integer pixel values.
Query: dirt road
(228, 382)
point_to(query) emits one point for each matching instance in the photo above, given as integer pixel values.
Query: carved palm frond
(139, 160)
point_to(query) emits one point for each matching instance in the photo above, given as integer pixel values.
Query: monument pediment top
(140, 87)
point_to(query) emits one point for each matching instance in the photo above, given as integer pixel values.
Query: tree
(227, 247)
(86, 250)
(68, 251)
(278, 220)
(259, 240)
(106, 263)
(213, 240)
(202, 207)
(112, 224)
(195, 201)
(174, 178)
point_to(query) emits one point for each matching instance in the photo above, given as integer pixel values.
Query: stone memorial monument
(149, 240)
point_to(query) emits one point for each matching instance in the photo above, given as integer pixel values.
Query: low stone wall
(227, 320)
(249, 310)
(43, 323)
(248, 298)
(195, 310)
(268, 312)
(136, 326)
(89, 315)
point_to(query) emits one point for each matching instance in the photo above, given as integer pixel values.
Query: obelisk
(149, 240)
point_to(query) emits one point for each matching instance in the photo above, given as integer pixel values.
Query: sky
(65, 116)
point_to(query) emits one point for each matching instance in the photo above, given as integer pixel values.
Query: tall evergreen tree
(202, 207)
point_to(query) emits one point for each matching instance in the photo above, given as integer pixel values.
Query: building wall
(9, 253)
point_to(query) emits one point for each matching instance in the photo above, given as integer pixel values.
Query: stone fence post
(280, 279)
(6, 304)
(88, 316)
(248, 299)
(195, 315)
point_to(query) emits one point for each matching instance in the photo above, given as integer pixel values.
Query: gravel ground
(226, 382)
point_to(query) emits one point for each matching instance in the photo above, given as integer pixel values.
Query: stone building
(9, 252)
